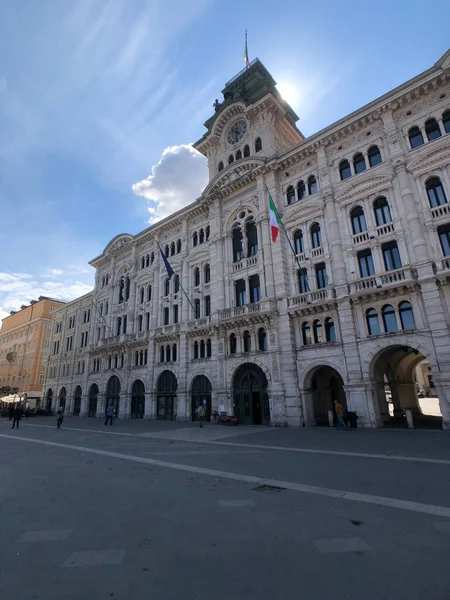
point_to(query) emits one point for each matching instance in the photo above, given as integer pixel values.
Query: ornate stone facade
(352, 296)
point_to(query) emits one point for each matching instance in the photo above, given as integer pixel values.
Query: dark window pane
(298, 242)
(290, 195)
(358, 220)
(374, 156)
(255, 290)
(252, 238)
(391, 256)
(415, 137)
(373, 324)
(240, 292)
(318, 333)
(389, 319)
(446, 121)
(345, 170)
(382, 211)
(432, 130)
(406, 315)
(238, 252)
(306, 334)
(435, 191)
(312, 185)
(316, 235)
(366, 266)
(444, 237)
(233, 344)
(262, 339)
(359, 163)
(303, 281)
(301, 190)
(329, 330)
(258, 145)
(321, 275)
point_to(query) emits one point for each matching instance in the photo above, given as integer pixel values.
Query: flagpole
(102, 318)
(172, 272)
(187, 298)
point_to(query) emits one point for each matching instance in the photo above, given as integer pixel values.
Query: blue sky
(98, 95)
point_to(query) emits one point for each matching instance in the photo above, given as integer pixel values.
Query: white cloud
(19, 288)
(176, 180)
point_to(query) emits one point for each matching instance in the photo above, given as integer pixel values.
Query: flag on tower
(166, 262)
(247, 62)
(274, 219)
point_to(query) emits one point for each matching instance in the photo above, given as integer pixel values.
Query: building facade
(349, 299)
(25, 348)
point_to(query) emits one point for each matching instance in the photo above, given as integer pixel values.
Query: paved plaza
(168, 510)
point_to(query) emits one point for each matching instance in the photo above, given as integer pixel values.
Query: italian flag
(274, 219)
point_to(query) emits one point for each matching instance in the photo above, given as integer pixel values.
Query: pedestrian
(340, 415)
(11, 411)
(17, 415)
(109, 414)
(60, 415)
(201, 414)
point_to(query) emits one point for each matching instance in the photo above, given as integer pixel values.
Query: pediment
(303, 212)
(371, 184)
(233, 174)
(431, 156)
(226, 116)
(117, 243)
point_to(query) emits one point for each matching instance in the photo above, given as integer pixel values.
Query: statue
(216, 105)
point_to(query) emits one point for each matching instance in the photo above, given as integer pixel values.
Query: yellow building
(24, 348)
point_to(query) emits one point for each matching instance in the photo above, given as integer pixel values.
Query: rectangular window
(303, 284)
(166, 315)
(391, 256)
(321, 276)
(444, 237)
(197, 308)
(255, 290)
(207, 306)
(240, 292)
(41, 379)
(125, 323)
(175, 313)
(147, 321)
(365, 261)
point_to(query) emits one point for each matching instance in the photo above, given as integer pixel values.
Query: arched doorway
(403, 380)
(250, 397)
(167, 396)
(77, 401)
(137, 400)
(201, 395)
(326, 388)
(49, 399)
(113, 394)
(62, 398)
(93, 397)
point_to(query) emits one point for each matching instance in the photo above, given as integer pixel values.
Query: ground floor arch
(93, 399)
(62, 398)
(137, 400)
(113, 394)
(250, 395)
(201, 396)
(166, 392)
(77, 400)
(401, 375)
(323, 386)
(49, 399)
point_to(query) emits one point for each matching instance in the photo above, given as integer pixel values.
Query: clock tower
(252, 121)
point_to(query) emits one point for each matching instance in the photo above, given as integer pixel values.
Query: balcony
(245, 263)
(314, 297)
(316, 252)
(385, 280)
(440, 211)
(444, 265)
(168, 329)
(196, 323)
(385, 229)
(263, 306)
(359, 238)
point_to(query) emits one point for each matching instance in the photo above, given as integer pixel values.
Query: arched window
(246, 151)
(220, 167)
(178, 246)
(444, 238)
(262, 339)
(166, 250)
(358, 220)
(230, 159)
(374, 156)
(207, 306)
(391, 256)
(238, 155)
(152, 258)
(382, 211)
(142, 262)
(330, 333)
(432, 130)
(316, 235)
(195, 239)
(166, 286)
(206, 274)
(344, 169)
(161, 354)
(415, 137)
(136, 359)
(201, 236)
(202, 349)
(147, 260)
(318, 332)
(140, 321)
(174, 352)
(312, 185)
(435, 192)
(141, 357)
(196, 276)
(166, 315)
(172, 249)
(168, 353)
(258, 144)
(298, 242)
(373, 324)
(306, 334)
(252, 237)
(290, 195)
(389, 318)
(238, 252)
(141, 295)
(195, 349)
(176, 284)
(446, 121)
(233, 344)
(359, 163)
(207, 232)
(301, 190)
(208, 348)
(149, 293)
(247, 341)
(175, 313)
(406, 315)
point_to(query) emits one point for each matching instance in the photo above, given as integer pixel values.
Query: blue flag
(166, 262)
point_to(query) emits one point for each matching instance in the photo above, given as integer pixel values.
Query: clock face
(237, 131)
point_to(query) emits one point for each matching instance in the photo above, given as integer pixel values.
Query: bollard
(330, 418)
(409, 419)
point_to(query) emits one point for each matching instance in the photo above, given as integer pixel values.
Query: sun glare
(289, 92)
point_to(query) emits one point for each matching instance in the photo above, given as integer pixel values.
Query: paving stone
(342, 545)
(55, 535)
(95, 558)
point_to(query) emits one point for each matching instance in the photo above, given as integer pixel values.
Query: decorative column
(334, 241)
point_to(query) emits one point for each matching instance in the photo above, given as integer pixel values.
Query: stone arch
(113, 389)
(166, 395)
(77, 395)
(119, 240)
(62, 397)
(93, 393)
(235, 111)
(322, 385)
(200, 392)
(49, 399)
(305, 377)
(251, 394)
(137, 391)
(259, 363)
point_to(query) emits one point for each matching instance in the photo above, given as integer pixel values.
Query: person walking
(60, 417)
(340, 415)
(11, 412)
(17, 416)
(109, 414)
(201, 414)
